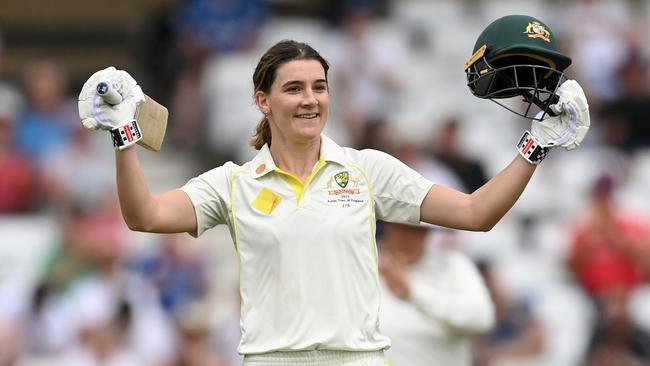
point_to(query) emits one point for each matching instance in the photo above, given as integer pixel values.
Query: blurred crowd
(101, 295)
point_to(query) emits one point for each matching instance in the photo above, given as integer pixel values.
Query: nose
(309, 98)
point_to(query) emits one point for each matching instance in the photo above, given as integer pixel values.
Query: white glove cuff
(530, 149)
(126, 135)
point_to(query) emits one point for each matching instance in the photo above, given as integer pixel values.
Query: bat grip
(108, 93)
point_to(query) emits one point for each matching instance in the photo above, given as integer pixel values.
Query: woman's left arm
(481, 210)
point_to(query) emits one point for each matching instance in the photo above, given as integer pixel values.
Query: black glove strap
(530, 149)
(126, 135)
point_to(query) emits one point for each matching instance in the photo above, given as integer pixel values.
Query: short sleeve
(398, 190)
(209, 193)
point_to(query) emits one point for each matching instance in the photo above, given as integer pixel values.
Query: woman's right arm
(169, 212)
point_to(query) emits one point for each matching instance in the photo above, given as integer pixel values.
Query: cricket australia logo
(342, 179)
(344, 189)
(347, 182)
(537, 30)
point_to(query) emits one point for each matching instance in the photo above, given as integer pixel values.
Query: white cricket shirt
(307, 255)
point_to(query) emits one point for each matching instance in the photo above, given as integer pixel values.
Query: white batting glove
(96, 113)
(567, 129)
(570, 126)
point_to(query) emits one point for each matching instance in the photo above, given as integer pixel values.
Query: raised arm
(169, 212)
(481, 210)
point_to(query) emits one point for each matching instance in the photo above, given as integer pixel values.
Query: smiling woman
(302, 215)
(295, 110)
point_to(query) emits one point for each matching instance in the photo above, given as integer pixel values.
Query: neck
(296, 158)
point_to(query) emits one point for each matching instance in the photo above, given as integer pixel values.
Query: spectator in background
(50, 119)
(334, 12)
(518, 335)
(155, 50)
(625, 119)
(207, 28)
(51, 327)
(18, 179)
(610, 248)
(446, 148)
(178, 271)
(103, 338)
(88, 309)
(617, 340)
(196, 346)
(434, 299)
(364, 75)
(596, 39)
(222, 26)
(72, 174)
(610, 258)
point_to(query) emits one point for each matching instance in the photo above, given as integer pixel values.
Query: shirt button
(260, 168)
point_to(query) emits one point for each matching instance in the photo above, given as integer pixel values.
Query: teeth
(312, 115)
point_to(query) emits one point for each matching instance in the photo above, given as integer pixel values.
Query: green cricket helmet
(517, 55)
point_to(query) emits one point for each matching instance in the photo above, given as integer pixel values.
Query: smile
(307, 115)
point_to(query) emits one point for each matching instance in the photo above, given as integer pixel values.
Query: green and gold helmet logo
(538, 30)
(342, 179)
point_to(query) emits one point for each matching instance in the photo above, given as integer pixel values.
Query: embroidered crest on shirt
(342, 179)
(343, 190)
(266, 201)
(347, 182)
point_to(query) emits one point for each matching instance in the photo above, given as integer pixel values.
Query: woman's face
(298, 102)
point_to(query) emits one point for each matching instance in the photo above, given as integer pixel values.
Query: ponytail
(262, 134)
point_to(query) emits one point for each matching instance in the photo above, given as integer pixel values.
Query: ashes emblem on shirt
(347, 194)
(346, 181)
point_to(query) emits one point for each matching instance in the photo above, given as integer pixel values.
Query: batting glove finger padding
(571, 92)
(571, 125)
(96, 112)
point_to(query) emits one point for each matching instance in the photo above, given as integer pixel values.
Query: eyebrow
(291, 82)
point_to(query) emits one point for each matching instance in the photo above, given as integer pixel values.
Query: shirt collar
(263, 162)
(331, 151)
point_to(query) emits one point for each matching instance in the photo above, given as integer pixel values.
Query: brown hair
(265, 72)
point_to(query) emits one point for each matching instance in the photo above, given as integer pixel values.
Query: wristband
(530, 149)
(126, 135)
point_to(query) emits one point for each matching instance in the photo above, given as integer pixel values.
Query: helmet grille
(515, 75)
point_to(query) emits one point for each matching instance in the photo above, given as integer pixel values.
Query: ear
(262, 101)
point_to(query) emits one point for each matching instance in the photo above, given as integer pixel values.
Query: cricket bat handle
(108, 93)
